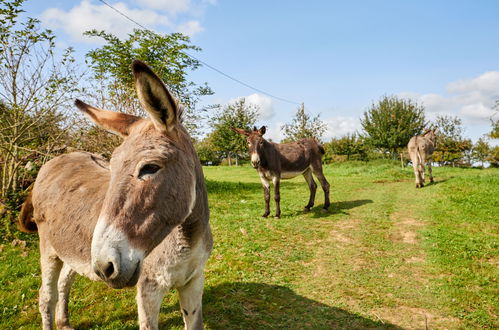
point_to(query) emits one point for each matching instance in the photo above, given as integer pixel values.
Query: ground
(386, 255)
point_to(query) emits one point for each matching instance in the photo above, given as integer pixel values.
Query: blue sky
(335, 56)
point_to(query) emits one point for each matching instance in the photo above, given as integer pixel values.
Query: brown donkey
(421, 149)
(276, 161)
(140, 219)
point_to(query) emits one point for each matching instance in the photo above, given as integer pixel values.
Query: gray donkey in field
(139, 219)
(421, 149)
(276, 161)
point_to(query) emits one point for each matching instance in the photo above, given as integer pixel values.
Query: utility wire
(206, 64)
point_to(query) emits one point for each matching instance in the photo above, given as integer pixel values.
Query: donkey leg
(325, 185)
(266, 194)
(277, 196)
(51, 267)
(149, 297)
(313, 188)
(191, 296)
(431, 172)
(415, 167)
(66, 279)
(421, 173)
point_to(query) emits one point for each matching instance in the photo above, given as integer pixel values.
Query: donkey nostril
(109, 270)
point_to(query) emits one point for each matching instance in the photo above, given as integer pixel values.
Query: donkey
(276, 161)
(421, 148)
(140, 219)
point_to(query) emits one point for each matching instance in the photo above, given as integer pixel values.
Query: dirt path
(375, 251)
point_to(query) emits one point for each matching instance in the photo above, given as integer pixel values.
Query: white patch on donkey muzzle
(113, 259)
(255, 159)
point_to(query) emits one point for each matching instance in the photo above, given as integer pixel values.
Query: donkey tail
(25, 221)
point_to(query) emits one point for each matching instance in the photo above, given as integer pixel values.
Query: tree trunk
(237, 160)
(402, 159)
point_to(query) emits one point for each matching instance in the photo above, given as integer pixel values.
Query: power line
(206, 64)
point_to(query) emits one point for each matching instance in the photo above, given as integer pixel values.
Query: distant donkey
(276, 161)
(139, 219)
(421, 149)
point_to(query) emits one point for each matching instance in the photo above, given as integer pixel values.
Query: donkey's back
(67, 198)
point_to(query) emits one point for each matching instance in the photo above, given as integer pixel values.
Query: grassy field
(385, 256)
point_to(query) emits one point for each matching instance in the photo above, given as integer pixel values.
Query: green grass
(385, 256)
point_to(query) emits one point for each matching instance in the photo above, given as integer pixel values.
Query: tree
(238, 114)
(494, 134)
(481, 151)
(36, 86)
(165, 54)
(451, 145)
(350, 144)
(303, 126)
(390, 123)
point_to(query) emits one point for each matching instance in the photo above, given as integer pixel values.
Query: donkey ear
(114, 122)
(240, 131)
(262, 130)
(155, 97)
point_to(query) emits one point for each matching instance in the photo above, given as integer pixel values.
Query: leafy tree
(166, 54)
(481, 151)
(36, 86)
(206, 152)
(348, 145)
(494, 134)
(452, 147)
(391, 122)
(238, 114)
(303, 126)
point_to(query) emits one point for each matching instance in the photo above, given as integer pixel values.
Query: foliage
(493, 158)
(350, 144)
(238, 114)
(165, 54)
(452, 147)
(206, 152)
(36, 86)
(494, 134)
(481, 151)
(303, 126)
(391, 122)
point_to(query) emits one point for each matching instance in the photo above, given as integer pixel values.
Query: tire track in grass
(372, 261)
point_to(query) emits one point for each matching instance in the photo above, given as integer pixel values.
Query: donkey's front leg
(51, 267)
(66, 279)
(149, 297)
(191, 296)
(266, 194)
(277, 196)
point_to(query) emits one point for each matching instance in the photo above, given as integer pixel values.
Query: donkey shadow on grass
(232, 188)
(263, 306)
(241, 305)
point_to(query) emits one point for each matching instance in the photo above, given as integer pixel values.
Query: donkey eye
(148, 169)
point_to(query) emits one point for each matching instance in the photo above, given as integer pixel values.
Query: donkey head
(152, 187)
(255, 143)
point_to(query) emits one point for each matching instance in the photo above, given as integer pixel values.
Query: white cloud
(170, 6)
(190, 28)
(470, 99)
(263, 103)
(340, 126)
(87, 16)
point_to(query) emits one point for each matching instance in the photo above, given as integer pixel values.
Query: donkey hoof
(265, 215)
(306, 209)
(431, 180)
(324, 210)
(277, 216)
